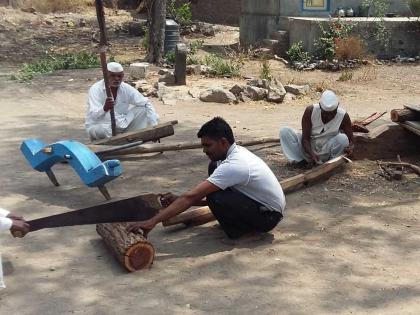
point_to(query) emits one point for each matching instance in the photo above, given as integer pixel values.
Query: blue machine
(87, 165)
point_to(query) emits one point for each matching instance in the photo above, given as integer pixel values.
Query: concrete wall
(293, 7)
(258, 20)
(225, 12)
(405, 35)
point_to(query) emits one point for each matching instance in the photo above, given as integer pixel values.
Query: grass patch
(48, 6)
(223, 67)
(51, 63)
(266, 70)
(345, 76)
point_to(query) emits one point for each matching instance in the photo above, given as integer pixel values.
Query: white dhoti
(135, 119)
(2, 285)
(291, 143)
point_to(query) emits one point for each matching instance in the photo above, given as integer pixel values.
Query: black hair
(216, 129)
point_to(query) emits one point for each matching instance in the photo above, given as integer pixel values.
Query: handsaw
(133, 209)
(103, 45)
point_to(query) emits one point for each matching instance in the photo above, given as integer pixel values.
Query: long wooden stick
(103, 45)
(203, 215)
(153, 148)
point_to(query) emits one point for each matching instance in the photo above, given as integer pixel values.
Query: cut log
(132, 250)
(154, 148)
(203, 215)
(147, 134)
(193, 217)
(401, 115)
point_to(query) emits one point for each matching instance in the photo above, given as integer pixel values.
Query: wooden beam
(147, 134)
(153, 148)
(203, 215)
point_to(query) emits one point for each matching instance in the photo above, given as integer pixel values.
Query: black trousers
(238, 214)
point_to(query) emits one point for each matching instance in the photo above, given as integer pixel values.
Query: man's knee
(99, 132)
(342, 140)
(286, 132)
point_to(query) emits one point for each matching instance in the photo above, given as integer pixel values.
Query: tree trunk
(131, 249)
(156, 11)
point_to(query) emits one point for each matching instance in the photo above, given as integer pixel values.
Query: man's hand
(19, 228)
(167, 199)
(109, 104)
(145, 226)
(315, 158)
(349, 150)
(14, 217)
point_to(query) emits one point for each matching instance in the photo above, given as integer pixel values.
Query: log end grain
(139, 256)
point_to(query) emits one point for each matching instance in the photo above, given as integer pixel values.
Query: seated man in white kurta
(326, 133)
(139, 115)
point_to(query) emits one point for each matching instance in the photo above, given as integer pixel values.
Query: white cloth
(322, 133)
(5, 224)
(126, 96)
(102, 131)
(114, 67)
(291, 144)
(247, 173)
(329, 101)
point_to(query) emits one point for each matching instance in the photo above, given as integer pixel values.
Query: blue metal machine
(86, 164)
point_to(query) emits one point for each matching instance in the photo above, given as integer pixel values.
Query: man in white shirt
(242, 192)
(15, 224)
(98, 119)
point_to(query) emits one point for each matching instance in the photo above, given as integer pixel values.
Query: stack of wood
(408, 117)
(360, 125)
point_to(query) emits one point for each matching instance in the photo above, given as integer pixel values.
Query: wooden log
(147, 134)
(154, 148)
(203, 215)
(132, 250)
(404, 114)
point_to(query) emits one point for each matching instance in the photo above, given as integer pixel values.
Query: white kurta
(5, 224)
(132, 111)
(326, 140)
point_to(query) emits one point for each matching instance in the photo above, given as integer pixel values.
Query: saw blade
(133, 209)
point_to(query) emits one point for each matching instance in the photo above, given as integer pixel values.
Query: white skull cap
(329, 101)
(114, 67)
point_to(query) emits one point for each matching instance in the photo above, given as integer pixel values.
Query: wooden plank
(203, 215)
(147, 134)
(415, 107)
(411, 127)
(315, 174)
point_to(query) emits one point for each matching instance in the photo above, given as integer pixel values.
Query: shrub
(334, 31)
(266, 70)
(349, 48)
(415, 7)
(51, 63)
(182, 14)
(223, 67)
(296, 53)
(347, 75)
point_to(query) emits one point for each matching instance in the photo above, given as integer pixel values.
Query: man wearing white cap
(138, 116)
(13, 223)
(326, 133)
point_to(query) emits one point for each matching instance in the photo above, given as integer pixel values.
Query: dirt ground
(349, 245)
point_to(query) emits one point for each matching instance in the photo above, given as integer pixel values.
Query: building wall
(294, 7)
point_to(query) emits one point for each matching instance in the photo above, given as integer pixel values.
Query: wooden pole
(203, 215)
(153, 148)
(103, 46)
(132, 250)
